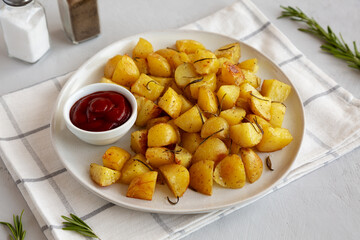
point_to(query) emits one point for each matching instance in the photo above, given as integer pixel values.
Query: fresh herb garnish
(224, 49)
(333, 44)
(17, 229)
(203, 59)
(173, 203)
(262, 99)
(194, 81)
(146, 165)
(147, 84)
(222, 129)
(77, 225)
(201, 116)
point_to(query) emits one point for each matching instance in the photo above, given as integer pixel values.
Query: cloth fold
(50, 191)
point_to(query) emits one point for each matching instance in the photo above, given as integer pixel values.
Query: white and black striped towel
(26, 149)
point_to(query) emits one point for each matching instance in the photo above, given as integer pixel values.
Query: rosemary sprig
(333, 44)
(77, 225)
(17, 229)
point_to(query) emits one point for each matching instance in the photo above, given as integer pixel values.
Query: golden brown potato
(274, 89)
(249, 64)
(207, 80)
(158, 65)
(228, 95)
(180, 58)
(277, 113)
(141, 63)
(261, 106)
(201, 176)
(147, 111)
(245, 134)
(106, 80)
(184, 73)
(177, 130)
(191, 141)
(111, 66)
(274, 139)
(205, 62)
(216, 127)
(251, 78)
(171, 103)
(147, 87)
(253, 164)
(212, 149)
(158, 156)
(177, 178)
(230, 172)
(115, 158)
(207, 100)
(185, 104)
(192, 120)
(162, 134)
(230, 51)
(168, 54)
(143, 186)
(261, 121)
(233, 116)
(134, 167)
(188, 46)
(103, 176)
(182, 156)
(154, 121)
(138, 142)
(142, 49)
(231, 74)
(243, 103)
(126, 72)
(246, 90)
(164, 81)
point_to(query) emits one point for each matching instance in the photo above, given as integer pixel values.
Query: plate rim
(238, 204)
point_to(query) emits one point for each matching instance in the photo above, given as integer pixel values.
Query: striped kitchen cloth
(50, 191)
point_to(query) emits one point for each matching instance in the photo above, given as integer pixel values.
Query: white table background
(323, 205)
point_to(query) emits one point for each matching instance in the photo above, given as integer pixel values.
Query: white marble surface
(323, 205)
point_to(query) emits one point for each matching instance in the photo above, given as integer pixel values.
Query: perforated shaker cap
(17, 3)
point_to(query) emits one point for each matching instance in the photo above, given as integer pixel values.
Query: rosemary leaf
(17, 228)
(333, 44)
(75, 224)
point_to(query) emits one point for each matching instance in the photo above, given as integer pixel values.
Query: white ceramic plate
(77, 155)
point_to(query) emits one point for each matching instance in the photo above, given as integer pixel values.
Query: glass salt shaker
(80, 19)
(25, 29)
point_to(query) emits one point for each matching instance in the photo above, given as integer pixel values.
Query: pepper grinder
(80, 19)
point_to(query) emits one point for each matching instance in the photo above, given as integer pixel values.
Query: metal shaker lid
(17, 3)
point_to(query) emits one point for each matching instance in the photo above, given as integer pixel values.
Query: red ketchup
(100, 111)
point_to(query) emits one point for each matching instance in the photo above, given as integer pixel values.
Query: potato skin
(103, 176)
(201, 176)
(115, 158)
(253, 164)
(133, 168)
(230, 172)
(212, 149)
(158, 156)
(162, 134)
(177, 177)
(143, 186)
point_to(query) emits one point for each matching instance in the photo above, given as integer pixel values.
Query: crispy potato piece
(207, 100)
(162, 134)
(274, 139)
(213, 125)
(111, 66)
(231, 74)
(147, 111)
(164, 81)
(230, 51)
(185, 104)
(133, 167)
(106, 80)
(246, 89)
(180, 58)
(138, 142)
(233, 147)
(277, 113)
(251, 78)
(230, 172)
(177, 178)
(184, 73)
(147, 87)
(177, 130)
(171, 103)
(212, 149)
(243, 103)
(188, 46)
(182, 156)
(168, 54)
(126, 72)
(261, 106)
(103, 176)
(205, 62)
(207, 80)
(228, 95)
(245, 134)
(261, 121)
(201, 176)
(158, 156)
(143, 186)
(154, 121)
(115, 158)
(276, 90)
(191, 141)
(250, 65)
(158, 65)
(233, 116)
(192, 120)
(253, 164)
(142, 49)
(141, 63)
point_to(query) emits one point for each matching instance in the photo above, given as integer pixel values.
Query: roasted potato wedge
(115, 158)
(162, 134)
(103, 176)
(143, 186)
(177, 178)
(253, 164)
(201, 176)
(230, 172)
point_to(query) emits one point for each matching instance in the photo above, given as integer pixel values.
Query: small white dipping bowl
(105, 137)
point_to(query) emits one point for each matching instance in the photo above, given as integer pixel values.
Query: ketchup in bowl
(100, 111)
